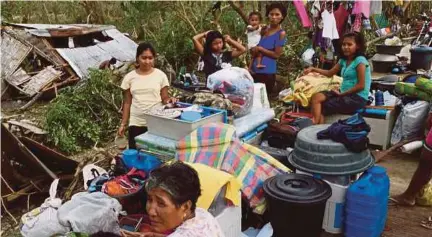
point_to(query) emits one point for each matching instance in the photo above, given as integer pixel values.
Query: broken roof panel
(13, 52)
(81, 59)
(40, 80)
(18, 77)
(42, 45)
(47, 30)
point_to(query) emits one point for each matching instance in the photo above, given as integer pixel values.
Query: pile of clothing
(307, 85)
(421, 89)
(352, 132)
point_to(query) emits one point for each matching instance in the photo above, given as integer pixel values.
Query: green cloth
(424, 84)
(410, 89)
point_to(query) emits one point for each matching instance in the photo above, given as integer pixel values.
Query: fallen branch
(379, 155)
(239, 11)
(386, 36)
(32, 101)
(7, 211)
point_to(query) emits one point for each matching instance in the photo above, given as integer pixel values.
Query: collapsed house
(40, 58)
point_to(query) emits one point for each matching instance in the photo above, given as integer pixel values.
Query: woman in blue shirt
(356, 74)
(270, 46)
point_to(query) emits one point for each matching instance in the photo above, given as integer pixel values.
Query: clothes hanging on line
(375, 7)
(341, 17)
(329, 29)
(362, 6)
(302, 14)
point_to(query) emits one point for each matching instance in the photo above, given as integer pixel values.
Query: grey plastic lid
(297, 189)
(328, 157)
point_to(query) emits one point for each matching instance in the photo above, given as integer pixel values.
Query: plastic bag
(424, 198)
(260, 99)
(307, 57)
(43, 221)
(237, 85)
(410, 122)
(91, 213)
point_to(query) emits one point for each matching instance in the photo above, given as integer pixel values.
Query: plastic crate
(176, 129)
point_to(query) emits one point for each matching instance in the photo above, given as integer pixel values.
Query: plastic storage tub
(176, 129)
(388, 49)
(421, 57)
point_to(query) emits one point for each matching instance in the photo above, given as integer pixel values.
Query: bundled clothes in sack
(352, 132)
(90, 213)
(237, 85)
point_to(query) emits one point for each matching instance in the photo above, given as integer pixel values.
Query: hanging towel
(329, 29)
(212, 180)
(362, 6)
(375, 7)
(302, 14)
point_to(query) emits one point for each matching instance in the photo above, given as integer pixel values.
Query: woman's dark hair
(360, 42)
(255, 13)
(179, 180)
(143, 47)
(279, 6)
(104, 234)
(211, 36)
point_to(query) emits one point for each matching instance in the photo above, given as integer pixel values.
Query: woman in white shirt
(143, 88)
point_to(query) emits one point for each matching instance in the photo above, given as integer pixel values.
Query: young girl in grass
(356, 74)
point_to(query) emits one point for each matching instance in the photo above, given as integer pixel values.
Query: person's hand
(170, 100)
(227, 38)
(121, 130)
(308, 70)
(126, 233)
(337, 92)
(255, 50)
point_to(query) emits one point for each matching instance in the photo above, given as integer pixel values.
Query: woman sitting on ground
(356, 74)
(213, 52)
(173, 191)
(143, 88)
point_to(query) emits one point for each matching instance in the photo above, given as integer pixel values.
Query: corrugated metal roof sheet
(81, 59)
(43, 30)
(53, 26)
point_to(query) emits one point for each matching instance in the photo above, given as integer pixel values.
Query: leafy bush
(81, 116)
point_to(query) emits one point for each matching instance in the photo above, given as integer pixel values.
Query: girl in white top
(143, 88)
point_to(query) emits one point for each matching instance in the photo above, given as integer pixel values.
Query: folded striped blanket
(215, 145)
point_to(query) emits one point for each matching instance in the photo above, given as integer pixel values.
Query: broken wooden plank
(41, 80)
(19, 77)
(27, 126)
(13, 54)
(25, 151)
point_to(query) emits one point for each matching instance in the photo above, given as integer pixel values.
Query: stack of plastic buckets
(332, 162)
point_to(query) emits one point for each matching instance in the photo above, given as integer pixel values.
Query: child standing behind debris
(254, 31)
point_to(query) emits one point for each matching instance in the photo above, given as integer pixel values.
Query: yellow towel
(212, 180)
(306, 86)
